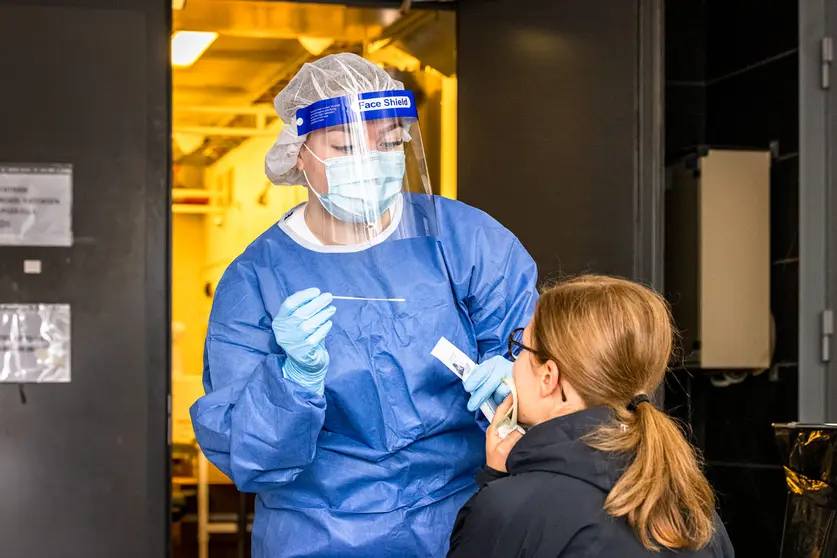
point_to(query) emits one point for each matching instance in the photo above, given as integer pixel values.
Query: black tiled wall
(685, 53)
(732, 81)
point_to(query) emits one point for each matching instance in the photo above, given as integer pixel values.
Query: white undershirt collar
(294, 225)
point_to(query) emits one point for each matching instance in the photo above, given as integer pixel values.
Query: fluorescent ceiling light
(315, 45)
(188, 46)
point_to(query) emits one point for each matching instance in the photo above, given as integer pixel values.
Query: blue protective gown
(381, 464)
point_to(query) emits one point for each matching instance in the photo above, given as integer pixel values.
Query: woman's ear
(549, 380)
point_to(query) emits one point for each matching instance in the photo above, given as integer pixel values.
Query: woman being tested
(601, 472)
(322, 396)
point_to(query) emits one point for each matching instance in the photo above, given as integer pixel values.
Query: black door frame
(817, 210)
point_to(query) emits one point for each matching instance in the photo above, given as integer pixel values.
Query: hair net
(336, 75)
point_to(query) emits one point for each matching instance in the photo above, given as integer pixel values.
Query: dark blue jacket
(551, 502)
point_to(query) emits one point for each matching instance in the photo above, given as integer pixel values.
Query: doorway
(230, 59)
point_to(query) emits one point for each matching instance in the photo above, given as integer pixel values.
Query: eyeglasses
(515, 346)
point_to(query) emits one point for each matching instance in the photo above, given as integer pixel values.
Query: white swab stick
(372, 299)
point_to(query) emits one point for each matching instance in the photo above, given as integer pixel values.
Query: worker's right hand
(300, 328)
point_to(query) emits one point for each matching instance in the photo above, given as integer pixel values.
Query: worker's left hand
(485, 381)
(497, 449)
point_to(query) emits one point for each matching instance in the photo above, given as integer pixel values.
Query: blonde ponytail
(612, 339)
(663, 493)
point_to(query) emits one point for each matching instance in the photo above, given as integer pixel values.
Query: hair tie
(637, 399)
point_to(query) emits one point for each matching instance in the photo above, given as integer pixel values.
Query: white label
(460, 364)
(34, 343)
(36, 205)
(382, 103)
(32, 267)
(457, 362)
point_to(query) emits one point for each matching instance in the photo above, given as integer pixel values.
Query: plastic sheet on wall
(34, 343)
(809, 452)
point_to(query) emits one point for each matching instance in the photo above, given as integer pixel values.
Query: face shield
(364, 163)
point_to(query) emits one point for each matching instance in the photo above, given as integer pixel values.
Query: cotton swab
(370, 299)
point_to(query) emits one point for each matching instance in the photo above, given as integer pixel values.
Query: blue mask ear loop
(305, 174)
(311, 188)
(305, 145)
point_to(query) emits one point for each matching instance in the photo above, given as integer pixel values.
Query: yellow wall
(190, 307)
(449, 146)
(229, 233)
(204, 245)
(190, 304)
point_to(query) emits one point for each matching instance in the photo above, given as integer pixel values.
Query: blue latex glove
(484, 382)
(300, 328)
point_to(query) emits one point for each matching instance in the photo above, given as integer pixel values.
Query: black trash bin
(809, 453)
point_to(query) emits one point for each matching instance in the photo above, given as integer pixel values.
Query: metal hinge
(827, 332)
(827, 56)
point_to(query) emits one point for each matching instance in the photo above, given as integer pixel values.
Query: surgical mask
(361, 188)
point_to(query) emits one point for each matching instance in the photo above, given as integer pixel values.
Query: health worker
(322, 396)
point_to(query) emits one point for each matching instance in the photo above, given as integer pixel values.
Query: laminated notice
(34, 343)
(36, 205)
